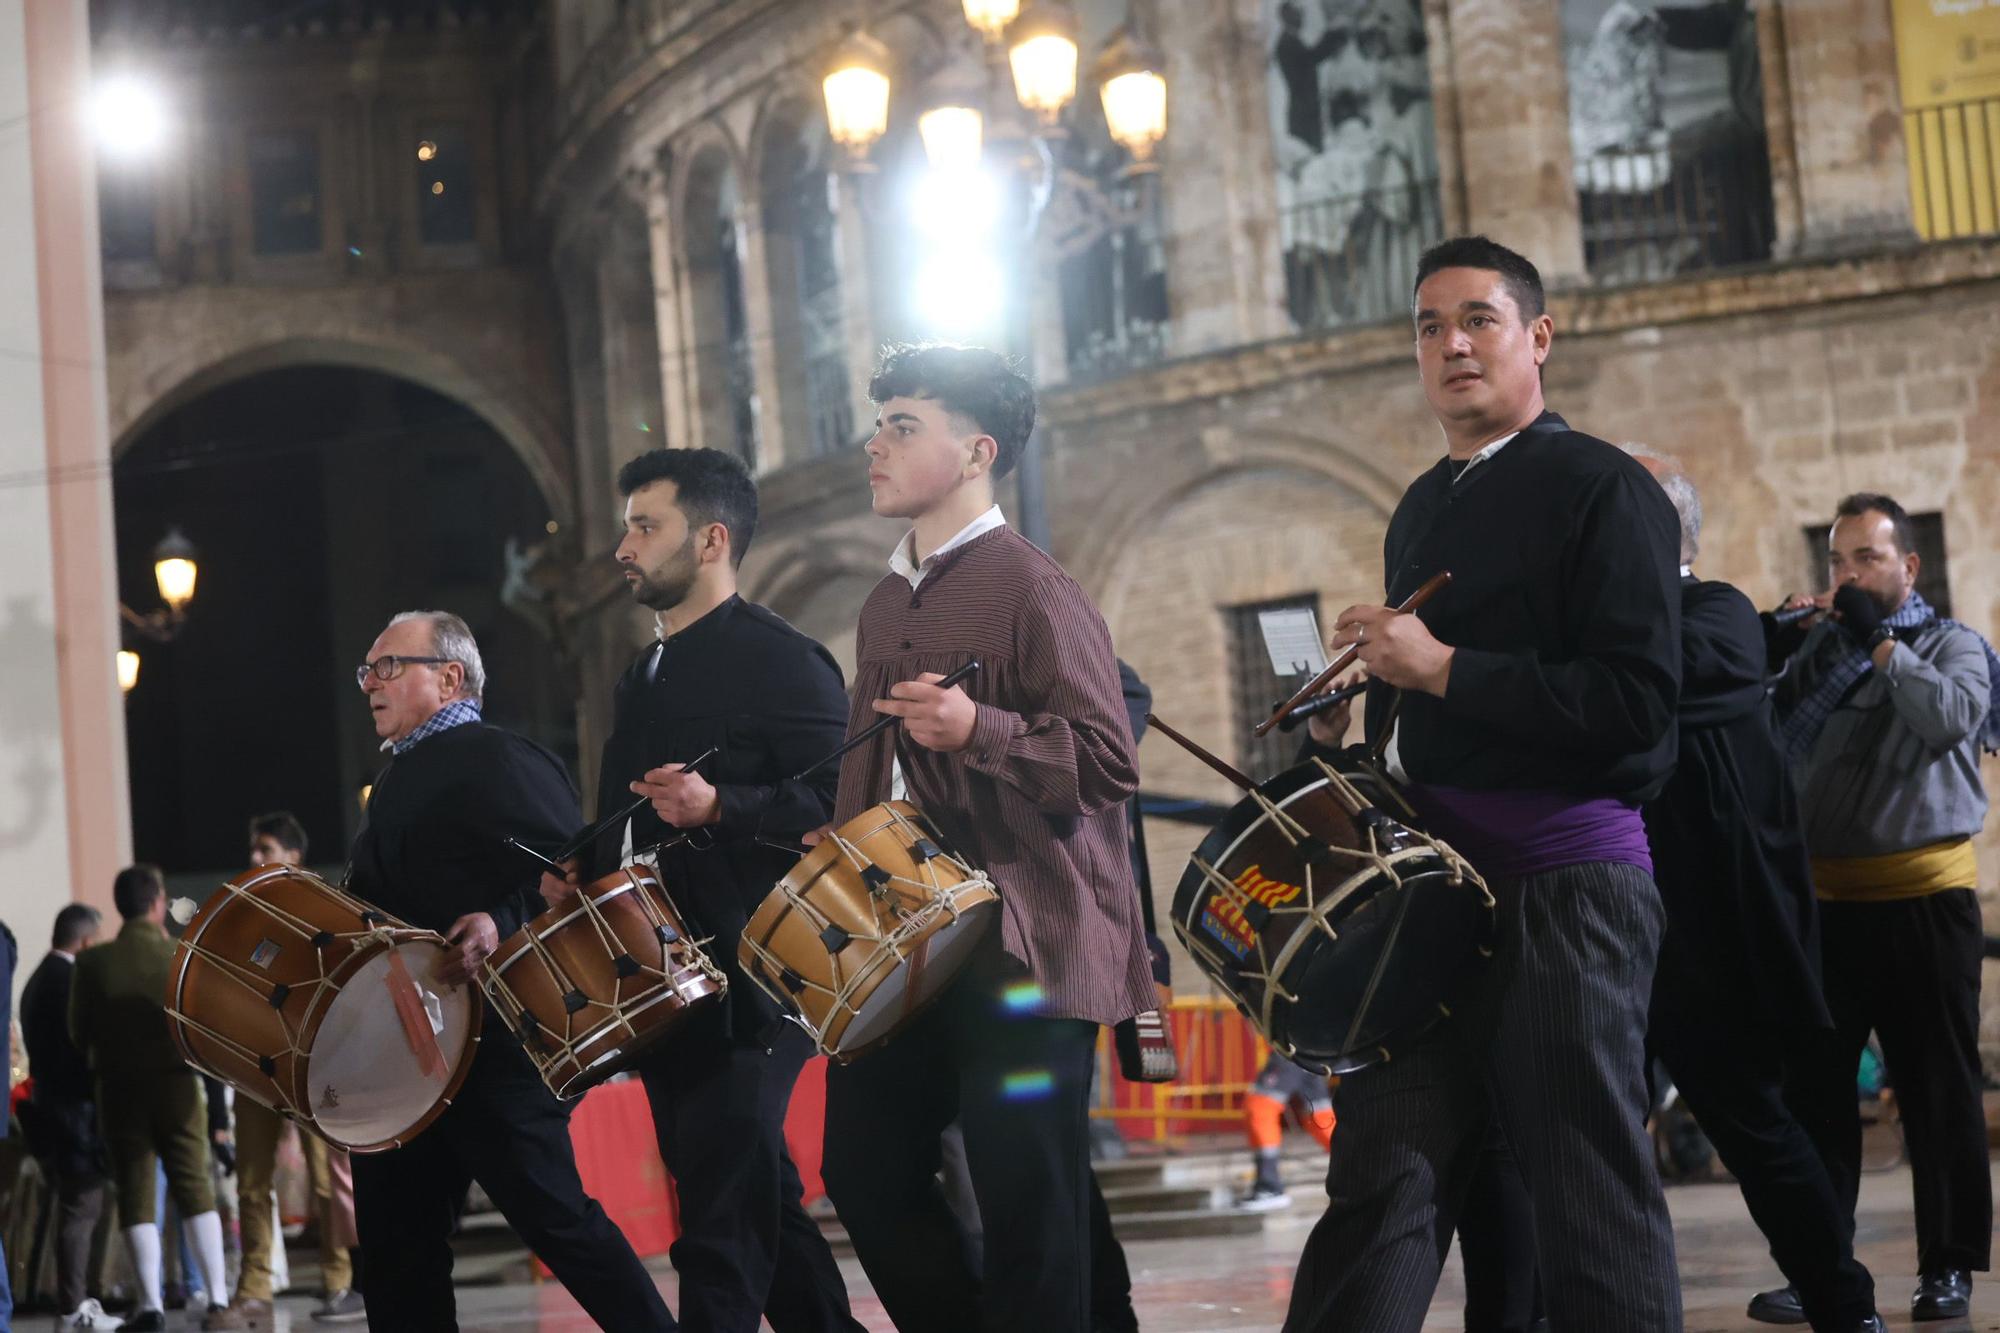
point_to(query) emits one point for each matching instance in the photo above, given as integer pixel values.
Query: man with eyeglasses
(433, 851)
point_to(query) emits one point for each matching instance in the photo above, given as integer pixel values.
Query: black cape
(1728, 851)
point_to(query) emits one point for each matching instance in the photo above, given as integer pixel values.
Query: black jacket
(1728, 851)
(772, 701)
(1564, 609)
(434, 845)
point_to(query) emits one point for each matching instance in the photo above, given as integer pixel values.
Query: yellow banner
(1948, 60)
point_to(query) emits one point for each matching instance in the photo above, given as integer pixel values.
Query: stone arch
(819, 587)
(1124, 511)
(179, 370)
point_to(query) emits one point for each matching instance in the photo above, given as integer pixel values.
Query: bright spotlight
(956, 203)
(960, 293)
(128, 117)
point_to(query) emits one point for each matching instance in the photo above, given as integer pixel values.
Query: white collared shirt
(903, 560)
(1486, 451)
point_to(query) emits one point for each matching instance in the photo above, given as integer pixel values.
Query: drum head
(1423, 933)
(366, 1087)
(946, 950)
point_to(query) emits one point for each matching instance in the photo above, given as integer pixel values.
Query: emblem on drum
(1224, 920)
(265, 954)
(329, 1100)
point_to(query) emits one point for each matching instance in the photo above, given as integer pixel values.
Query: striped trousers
(1550, 1042)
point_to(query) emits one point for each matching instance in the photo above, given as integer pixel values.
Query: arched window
(726, 394)
(802, 255)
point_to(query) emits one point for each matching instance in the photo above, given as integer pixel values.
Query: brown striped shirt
(1036, 800)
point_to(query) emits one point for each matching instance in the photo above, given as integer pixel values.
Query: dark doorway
(321, 501)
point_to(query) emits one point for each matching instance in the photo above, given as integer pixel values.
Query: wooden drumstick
(888, 720)
(1347, 657)
(591, 834)
(1218, 765)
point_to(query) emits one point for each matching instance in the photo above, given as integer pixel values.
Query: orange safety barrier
(1220, 1054)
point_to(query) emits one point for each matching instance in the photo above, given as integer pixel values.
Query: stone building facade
(675, 255)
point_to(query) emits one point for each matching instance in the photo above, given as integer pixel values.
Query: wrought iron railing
(1661, 212)
(1954, 153)
(1351, 259)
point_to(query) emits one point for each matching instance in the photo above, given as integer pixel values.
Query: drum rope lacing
(547, 1054)
(910, 923)
(1372, 861)
(262, 987)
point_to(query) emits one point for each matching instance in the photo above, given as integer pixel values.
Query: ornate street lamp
(856, 88)
(175, 572)
(989, 18)
(1134, 93)
(128, 670)
(1041, 48)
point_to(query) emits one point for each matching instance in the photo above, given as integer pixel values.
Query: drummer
(723, 673)
(1536, 711)
(433, 852)
(1025, 768)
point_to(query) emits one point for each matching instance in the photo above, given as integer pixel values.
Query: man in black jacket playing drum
(433, 851)
(725, 674)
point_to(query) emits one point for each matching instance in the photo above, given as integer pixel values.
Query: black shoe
(148, 1321)
(1777, 1306)
(1872, 1324)
(1946, 1294)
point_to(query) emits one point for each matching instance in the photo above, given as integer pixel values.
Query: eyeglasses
(389, 666)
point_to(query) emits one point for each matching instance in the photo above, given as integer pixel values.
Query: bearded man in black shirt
(1536, 710)
(434, 852)
(729, 675)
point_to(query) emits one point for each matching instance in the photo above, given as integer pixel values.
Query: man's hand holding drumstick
(1393, 646)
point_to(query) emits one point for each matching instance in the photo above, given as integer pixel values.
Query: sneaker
(223, 1316)
(1780, 1305)
(1945, 1294)
(147, 1321)
(1263, 1197)
(342, 1307)
(90, 1315)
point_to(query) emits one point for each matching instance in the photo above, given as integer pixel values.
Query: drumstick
(591, 834)
(888, 720)
(1346, 658)
(1238, 778)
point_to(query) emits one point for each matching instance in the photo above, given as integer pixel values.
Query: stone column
(677, 417)
(1225, 277)
(65, 816)
(1847, 151)
(857, 287)
(775, 447)
(634, 413)
(1518, 178)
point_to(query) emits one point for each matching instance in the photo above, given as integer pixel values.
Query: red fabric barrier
(612, 1130)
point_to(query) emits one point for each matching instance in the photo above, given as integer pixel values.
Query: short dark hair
(284, 826)
(972, 382)
(1524, 282)
(74, 924)
(136, 889)
(709, 486)
(1861, 502)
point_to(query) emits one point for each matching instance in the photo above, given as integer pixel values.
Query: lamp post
(1035, 43)
(174, 573)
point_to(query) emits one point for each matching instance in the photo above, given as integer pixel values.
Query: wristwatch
(1883, 634)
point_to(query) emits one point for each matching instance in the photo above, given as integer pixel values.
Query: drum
(285, 987)
(591, 983)
(1336, 925)
(868, 928)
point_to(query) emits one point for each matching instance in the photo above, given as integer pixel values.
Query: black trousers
(1909, 970)
(747, 1247)
(1732, 1073)
(1019, 1084)
(1496, 1243)
(1551, 1045)
(508, 1132)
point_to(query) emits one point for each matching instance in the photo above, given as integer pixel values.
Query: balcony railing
(1657, 213)
(1954, 153)
(1351, 259)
